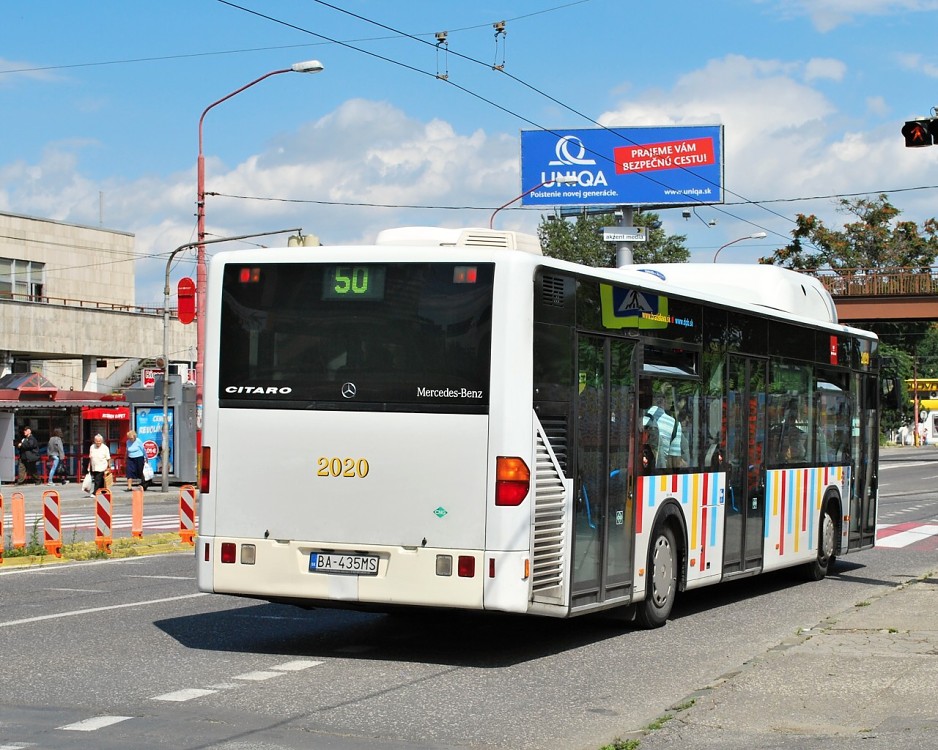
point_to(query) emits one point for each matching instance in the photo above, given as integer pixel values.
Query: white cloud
(827, 15)
(824, 68)
(783, 140)
(916, 62)
(363, 152)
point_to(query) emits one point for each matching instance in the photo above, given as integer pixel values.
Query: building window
(21, 279)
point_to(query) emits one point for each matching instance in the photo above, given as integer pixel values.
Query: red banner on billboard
(650, 157)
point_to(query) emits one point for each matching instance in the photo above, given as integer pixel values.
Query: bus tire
(660, 579)
(818, 568)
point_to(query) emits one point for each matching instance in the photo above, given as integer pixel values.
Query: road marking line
(94, 723)
(187, 694)
(907, 537)
(296, 666)
(74, 612)
(257, 675)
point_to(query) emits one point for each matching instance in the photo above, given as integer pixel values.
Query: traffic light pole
(164, 448)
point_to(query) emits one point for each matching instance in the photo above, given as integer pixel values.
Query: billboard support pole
(624, 255)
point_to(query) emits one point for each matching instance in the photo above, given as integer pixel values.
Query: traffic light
(186, 305)
(920, 133)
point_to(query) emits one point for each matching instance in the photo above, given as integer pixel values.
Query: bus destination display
(356, 283)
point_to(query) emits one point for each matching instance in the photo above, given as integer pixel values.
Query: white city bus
(449, 419)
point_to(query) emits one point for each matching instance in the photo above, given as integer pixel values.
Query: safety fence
(50, 518)
(867, 282)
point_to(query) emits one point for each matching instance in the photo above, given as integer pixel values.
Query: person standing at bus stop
(56, 451)
(29, 455)
(136, 455)
(99, 461)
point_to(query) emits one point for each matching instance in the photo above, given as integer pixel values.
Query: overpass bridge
(887, 295)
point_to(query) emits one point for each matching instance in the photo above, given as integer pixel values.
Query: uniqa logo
(563, 151)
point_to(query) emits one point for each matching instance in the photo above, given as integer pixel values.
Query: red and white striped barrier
(52, 522)
(103, 512)
(187, 513)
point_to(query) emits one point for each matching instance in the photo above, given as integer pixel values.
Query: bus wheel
(660, 580)
(817, 569)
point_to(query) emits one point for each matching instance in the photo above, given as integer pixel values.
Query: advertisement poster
(149, 426)
(639, 166)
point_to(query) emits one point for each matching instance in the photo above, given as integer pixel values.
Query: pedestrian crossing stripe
(904, 534)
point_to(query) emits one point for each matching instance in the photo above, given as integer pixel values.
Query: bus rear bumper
(280, 570)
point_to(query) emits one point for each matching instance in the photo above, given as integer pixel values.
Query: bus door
(745, 449)
(604, 511)
(864, 437)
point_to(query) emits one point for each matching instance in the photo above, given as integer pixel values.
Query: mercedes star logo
(349, 390)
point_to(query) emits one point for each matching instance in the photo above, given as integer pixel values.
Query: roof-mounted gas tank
(465, 237)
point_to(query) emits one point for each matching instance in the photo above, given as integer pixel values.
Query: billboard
(149, 423)
(650, 166)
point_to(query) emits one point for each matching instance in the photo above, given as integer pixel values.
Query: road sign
(624, 234)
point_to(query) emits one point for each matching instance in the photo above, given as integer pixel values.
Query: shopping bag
(108, 478)
(147, 471)
(87, 484)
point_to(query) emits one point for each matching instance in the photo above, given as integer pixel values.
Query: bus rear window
(384, 336)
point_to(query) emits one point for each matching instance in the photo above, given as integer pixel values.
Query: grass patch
(618, 744)
(34, 553)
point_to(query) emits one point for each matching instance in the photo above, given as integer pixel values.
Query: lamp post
(310, 66)
(753, 236)
(558, 180)
(164, 448)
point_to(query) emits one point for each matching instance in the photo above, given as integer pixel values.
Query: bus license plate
(356, 565)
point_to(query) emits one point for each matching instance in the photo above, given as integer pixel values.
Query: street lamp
(164, 448)
(753, 236)
(559, 180)
(310, 66)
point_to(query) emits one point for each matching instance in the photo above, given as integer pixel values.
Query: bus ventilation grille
(480, 239)
(549, 527)
(555, 430)
(552, 291)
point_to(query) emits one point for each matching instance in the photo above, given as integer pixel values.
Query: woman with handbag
(99, 461)
(136, 457)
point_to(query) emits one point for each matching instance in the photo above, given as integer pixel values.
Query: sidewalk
(865, 677)
(72, 491)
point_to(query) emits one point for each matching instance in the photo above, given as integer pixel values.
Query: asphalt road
(126, 653)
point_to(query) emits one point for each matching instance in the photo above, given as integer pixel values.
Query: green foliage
(621, 745)
(877, 239)
(34, 546)
(581, 241)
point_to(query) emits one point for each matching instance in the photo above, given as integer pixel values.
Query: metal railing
(866, 282)
(84, 303)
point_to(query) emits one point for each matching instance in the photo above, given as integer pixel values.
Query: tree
(581, 241)
(877, 240)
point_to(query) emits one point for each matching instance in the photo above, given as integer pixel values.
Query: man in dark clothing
(29, 455)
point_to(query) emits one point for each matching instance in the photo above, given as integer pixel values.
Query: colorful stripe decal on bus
(699, 495)
(790, 514)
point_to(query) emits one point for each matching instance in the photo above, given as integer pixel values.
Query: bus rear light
(466, 566)
(248, 554)
(228, 552)
(208, 552)
(512, 480)
(205, 470)
(491, 567)
(444, 565)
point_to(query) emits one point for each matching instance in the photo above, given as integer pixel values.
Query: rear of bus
(347, 454)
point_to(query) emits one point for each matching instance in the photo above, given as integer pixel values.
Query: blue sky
(101, 102)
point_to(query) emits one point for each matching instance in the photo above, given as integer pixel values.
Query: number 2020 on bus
(342, 467)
